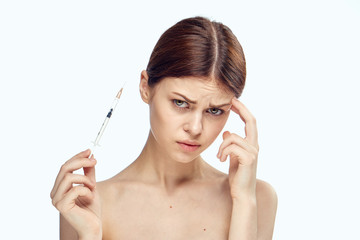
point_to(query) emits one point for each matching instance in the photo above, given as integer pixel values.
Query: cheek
(163, 122)
(213, 128)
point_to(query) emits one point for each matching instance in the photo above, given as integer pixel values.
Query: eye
(215, 111)
(180, 103)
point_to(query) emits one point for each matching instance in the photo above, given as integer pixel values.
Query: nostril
(186, 127)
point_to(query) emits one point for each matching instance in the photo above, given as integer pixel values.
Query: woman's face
(186, 115)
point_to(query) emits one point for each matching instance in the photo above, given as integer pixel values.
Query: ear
(144, 87)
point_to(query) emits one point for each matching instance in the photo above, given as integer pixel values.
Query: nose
(194, 125)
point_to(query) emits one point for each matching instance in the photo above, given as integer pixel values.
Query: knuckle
(253, 157)
(68, 176)
(64, 167)
(252, 119)
(59, 206)
(56, 204)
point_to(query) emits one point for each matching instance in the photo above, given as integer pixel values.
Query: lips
(189, 146)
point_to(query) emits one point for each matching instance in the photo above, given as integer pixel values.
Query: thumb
(90, 171)
(226, 134)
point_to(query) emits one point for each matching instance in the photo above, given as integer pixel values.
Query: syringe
(108, 116)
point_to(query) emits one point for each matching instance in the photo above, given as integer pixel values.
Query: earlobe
(144, 87)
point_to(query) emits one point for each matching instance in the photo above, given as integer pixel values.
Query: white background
(62, 63)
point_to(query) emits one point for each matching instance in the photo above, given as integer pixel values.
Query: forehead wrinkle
(197, 89)
(205, 99)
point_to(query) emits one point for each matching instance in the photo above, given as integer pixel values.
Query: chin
(185, 157)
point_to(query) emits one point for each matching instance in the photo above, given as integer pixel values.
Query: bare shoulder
(265, 193)
(120, 186)
(104, 187)
(267, 200)
(110, 187)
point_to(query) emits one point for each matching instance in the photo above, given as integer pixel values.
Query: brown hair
(198, 47)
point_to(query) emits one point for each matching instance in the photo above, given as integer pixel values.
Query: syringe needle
(103, 126)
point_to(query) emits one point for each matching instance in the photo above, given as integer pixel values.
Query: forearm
(91, 238)
(95, 235)
(67, 232)
(243, 225)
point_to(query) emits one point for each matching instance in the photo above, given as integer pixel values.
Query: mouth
(188, 146)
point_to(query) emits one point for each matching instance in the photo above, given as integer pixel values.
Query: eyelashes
(183, 105)
(180, 103)
(215, 111)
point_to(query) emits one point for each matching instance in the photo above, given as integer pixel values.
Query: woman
(195, 74)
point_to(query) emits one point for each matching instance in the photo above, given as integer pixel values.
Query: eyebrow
(195, 102)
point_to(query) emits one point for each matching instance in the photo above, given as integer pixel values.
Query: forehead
(195, 88)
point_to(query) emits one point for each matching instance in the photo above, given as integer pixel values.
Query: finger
(249, 120)
(83, 154)
(226, 134)
(235, 152)
(68, 182)
(70, 166)
(232, 138)
(68, 201)
(90, 171)
(65, 167)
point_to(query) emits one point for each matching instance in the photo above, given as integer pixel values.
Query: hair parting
(201, 48)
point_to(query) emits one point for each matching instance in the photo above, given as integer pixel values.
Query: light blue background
(62, 63)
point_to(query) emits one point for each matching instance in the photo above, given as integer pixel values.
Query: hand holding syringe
(108, 116)
(69, 187)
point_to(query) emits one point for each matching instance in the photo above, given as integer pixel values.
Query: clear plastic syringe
(108, 116)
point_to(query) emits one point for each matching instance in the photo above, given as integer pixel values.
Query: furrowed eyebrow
(220, 106)
(195, 102)
(186, 99)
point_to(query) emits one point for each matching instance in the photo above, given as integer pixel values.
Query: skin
(168, 192)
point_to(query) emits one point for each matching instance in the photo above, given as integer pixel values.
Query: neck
(155, 166)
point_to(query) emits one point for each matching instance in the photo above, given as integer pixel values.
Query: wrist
(248, 199)
(247, 191)
(95, 235)
(92, 237)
